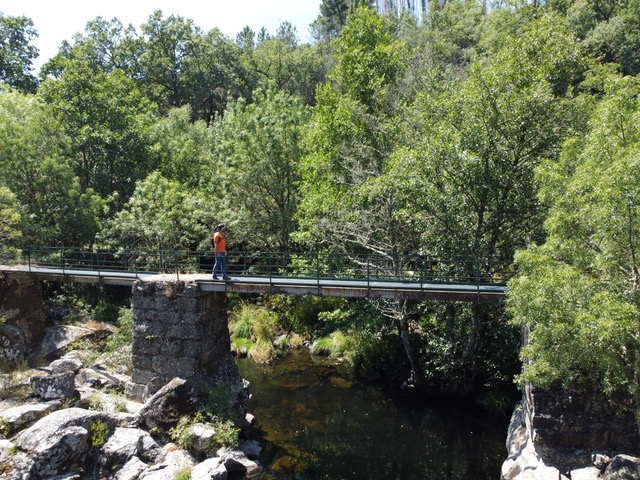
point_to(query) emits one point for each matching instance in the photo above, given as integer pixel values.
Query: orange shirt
(218, 241)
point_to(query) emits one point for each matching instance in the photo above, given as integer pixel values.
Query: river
(313, 422)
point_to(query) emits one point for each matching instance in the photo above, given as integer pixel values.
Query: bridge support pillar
(181, 331)
(22, 317)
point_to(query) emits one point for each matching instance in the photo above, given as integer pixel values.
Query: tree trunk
(473, 333)
(417, 377)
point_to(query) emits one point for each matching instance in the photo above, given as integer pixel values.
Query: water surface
(314, 423)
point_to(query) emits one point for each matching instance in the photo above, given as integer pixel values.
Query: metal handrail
(470, 270)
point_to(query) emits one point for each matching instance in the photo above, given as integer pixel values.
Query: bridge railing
(401, 268)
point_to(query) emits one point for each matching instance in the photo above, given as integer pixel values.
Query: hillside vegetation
(507, 128)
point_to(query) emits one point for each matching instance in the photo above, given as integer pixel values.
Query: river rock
(202, 438)
(125, 444)
(66, 364)
(251, 448)
(54, 386)
(131, 470)
(167, 405)
(175, 461)
(210, 469)
(237, 461)
(22, 416)
(587, 473)
(623, 467)
(60, 440)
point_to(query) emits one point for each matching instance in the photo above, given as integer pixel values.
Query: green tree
(17, 53)
(332, 17)
(261, 144)
(579, 293)
(105, 46)
(347, 205)
(212, 73)
(161, 214)
(11, 217)
(182, 149)
(168, 44)
(468, 178)
(283, 61)
(35, 167)
(108, 121)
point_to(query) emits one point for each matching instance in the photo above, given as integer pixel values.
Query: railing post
(478, 278)
(368, 276)
(318, 272)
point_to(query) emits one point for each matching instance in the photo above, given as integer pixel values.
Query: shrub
(241, 346)
(99, 434)
(321, 346)
(248, 321)
(125, 335)
(262, 351)
(226, 433)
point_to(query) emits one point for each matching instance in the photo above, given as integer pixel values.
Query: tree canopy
(441, 128)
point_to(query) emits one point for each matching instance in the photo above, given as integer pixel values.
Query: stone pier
(181, 331)
(23, 318)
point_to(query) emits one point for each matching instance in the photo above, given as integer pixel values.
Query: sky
(59, 20)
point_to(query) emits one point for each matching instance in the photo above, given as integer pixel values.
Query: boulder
(587, 473)
(60, 440)
(54, 386)
(131, 470)
(167, 405)
(125, 444)
(237, 461)
(175, 461)
(65, 364)
(57, 339)
(210, 469)
(250, 448)
(623, 467)
(22, 416)
(202, 438)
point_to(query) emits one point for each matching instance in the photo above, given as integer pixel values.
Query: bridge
(180, 325)
(411, 277)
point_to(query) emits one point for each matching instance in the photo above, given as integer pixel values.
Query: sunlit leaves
(261, 146)
(162, 214)
(17, 53)
(578, 294)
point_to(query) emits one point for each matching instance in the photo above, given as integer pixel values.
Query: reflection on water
(314, 423)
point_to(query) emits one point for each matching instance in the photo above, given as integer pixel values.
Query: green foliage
(107, 120)
(51, 205)
(11, 217)
(99, 432)
(254, 323)
(510, 113)
(162, 214)
(262, 145)
(226, 434)
(182, 149)
(184, 474)
(125, 335)
(578, 293)
(17, 53)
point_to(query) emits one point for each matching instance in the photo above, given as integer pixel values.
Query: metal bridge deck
(483, 293)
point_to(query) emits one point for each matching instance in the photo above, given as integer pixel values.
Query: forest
(507, 128)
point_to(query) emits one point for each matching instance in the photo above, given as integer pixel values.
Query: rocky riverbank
(560, 435)
(68, 420)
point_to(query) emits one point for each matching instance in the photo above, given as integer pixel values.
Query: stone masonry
(178, 331)
(23, 315)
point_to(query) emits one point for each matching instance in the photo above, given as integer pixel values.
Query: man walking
(220, 250)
